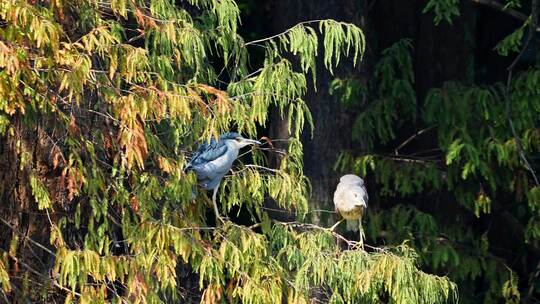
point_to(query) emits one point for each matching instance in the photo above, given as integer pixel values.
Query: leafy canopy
(123, 90)
(463, 156)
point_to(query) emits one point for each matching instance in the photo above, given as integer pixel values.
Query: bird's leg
(335, 225)
(361, 229)
(216, 210)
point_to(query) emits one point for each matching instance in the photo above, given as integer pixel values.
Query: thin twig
(408, 140)
(136, 38)
(26, 237)
(417, 160)
(183, 228)
(264, 168)
(322, 211)
(274, 150)
(109, 216)
(279, 210)
(282, 33)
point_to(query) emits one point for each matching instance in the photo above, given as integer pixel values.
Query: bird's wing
(211, 162)
(338, 198)
(208, 152)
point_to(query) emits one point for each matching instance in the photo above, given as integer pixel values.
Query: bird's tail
(352, 225)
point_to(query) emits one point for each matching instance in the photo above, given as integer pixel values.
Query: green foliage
(263, 269)
(512, 4)
(395, 175)
(40, 193)
(512, 42)
(350, 91)
(393, 93)
(341, 37)
(510, 290)
(4, 276)
(443, 10)
(442, 248)
(470, 169)
(129, 88)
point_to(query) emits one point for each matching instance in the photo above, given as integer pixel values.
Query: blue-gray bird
(350, 200)
(214, 159)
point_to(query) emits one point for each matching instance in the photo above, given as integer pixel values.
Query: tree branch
(282, 33)
(351, 244)
(263, 168)
(408, 140)
(501, 7)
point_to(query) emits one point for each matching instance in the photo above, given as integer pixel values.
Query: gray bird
(214, 159)
(350, 200)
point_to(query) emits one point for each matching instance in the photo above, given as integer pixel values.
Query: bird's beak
(251, 141)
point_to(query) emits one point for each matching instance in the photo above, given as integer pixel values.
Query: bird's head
(351, 179)
(238, 141)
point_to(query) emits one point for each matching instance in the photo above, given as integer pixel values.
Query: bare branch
(408, 140)
(418, 160)
(501, 7)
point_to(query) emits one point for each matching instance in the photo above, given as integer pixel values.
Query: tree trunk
(333, 124)
(23, 226)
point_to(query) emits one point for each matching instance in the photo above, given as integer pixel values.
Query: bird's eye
(237, 139)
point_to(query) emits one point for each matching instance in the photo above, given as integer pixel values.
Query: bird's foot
(358, 246)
